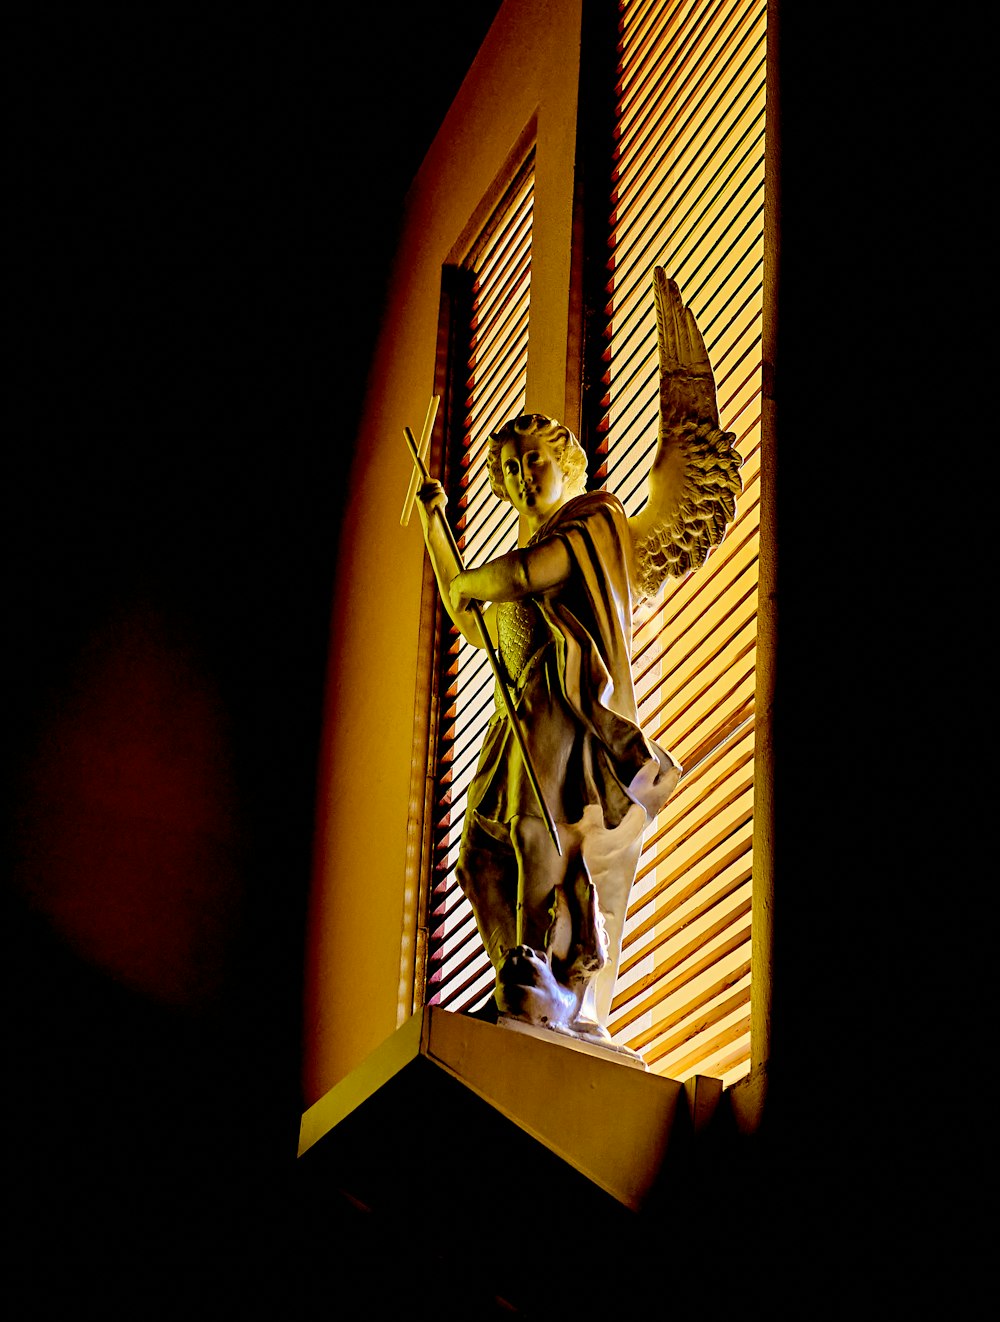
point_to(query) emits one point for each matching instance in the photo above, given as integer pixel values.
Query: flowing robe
(574, 691)
(567, 654)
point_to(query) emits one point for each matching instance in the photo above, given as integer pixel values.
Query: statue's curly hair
(566, 449)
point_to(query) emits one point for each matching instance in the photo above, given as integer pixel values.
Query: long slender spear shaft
(508, 701)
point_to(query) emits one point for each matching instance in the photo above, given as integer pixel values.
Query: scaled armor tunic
(567, 654)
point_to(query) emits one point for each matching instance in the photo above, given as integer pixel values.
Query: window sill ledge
(453, 1106)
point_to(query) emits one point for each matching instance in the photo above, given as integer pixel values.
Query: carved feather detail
(676, 545)
(694, 480)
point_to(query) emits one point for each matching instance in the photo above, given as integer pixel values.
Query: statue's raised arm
(694, 480)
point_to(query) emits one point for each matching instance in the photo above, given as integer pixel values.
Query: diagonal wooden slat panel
(688, 196)
(699, 1000)
(459, 972)
(656, 989)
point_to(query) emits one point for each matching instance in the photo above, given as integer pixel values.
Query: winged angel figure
(551, 905)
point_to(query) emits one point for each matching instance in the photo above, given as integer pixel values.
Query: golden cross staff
(420, 467)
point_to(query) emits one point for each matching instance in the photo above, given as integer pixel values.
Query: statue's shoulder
(591, 503)
(593, 524)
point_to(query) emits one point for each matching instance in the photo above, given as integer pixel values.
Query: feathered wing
(694, 480)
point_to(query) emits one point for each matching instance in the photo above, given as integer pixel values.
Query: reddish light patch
(128, 834)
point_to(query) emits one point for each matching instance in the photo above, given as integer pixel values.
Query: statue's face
(533, 477)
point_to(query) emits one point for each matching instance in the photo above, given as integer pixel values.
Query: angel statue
(567, 781)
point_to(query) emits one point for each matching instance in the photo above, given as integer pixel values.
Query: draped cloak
(574, 692)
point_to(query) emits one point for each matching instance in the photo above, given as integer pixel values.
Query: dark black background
(204, 211)
(205, 204)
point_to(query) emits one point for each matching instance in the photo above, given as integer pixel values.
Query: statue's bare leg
(545, 977)
(487, 873)
(542, 873)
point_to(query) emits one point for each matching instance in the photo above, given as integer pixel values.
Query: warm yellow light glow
(689, 197)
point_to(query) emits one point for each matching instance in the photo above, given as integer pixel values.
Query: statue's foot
(590, 1028)
(527, 989)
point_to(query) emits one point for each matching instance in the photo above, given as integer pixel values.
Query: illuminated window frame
(672, 1032)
